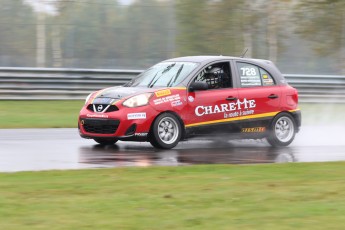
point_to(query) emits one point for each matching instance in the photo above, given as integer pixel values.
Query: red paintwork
(187, 105)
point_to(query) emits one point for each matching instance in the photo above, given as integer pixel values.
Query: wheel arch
(295, 115)
(271, 134)
(177, 116)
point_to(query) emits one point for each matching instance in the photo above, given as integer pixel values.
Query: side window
(249, 75)
(266, 78)
(253, 76)
(216, 76)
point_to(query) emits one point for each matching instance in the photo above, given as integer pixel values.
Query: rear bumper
(297, 115)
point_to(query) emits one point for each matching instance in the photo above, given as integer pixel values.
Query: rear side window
(253, 76)
(266, 78)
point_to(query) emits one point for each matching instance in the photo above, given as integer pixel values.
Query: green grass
(64, 114)
(39, 114)
(280, 196)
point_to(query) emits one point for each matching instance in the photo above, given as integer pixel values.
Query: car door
(210, 111)
(258, 86)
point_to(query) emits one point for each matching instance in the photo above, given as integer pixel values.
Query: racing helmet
(213, 78)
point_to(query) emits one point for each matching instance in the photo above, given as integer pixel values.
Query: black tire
(166, 131)
(282, 130)
(105, 141)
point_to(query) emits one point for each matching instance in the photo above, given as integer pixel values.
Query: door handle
(231, 98)
(273, 96)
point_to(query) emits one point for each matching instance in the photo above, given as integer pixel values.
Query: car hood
(119, 92)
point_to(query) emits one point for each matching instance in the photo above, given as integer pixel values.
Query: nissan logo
(99, 108)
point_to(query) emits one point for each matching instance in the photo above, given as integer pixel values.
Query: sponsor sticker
(163, 93)
(97, 115)
(176, 103)
(102, 100)
(231, 109)
(254, 130)
(141, 134)
(268, 81)
(175, 97)
(133, 116)
(190, 98)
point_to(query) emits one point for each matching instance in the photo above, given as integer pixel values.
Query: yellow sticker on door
(254, 130)
(162, 93)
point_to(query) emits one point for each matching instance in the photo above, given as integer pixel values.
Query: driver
(213, 78)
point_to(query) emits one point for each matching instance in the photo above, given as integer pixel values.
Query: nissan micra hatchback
(237, 98)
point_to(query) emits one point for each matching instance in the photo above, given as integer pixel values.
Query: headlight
(88, 98)
(138, 100)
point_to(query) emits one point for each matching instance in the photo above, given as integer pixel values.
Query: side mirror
(198, 85)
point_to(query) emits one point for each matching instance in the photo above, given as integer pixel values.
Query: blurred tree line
(300, 36)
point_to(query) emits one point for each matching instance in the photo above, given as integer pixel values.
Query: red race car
(237, 98)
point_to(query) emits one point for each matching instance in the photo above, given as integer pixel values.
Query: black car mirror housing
(198, 85)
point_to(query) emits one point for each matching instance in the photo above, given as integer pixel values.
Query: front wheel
(166, 131)
(282, 130)
(105, 141)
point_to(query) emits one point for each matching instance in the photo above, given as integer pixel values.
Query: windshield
(164, 74)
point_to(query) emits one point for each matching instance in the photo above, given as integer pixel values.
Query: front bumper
(121, 124)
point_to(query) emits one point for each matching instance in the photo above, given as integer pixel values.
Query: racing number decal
(249, 75)
(248, 71)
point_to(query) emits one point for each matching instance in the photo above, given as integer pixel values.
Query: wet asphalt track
(46, 149)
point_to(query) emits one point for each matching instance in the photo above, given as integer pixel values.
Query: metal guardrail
(75, 84)
(318, 88)
(57, 83)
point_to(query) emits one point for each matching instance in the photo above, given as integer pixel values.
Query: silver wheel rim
(168, 130)
(284, 129)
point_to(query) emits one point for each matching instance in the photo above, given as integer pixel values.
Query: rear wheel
(105, 141)
(166, 131)
(282, 130)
